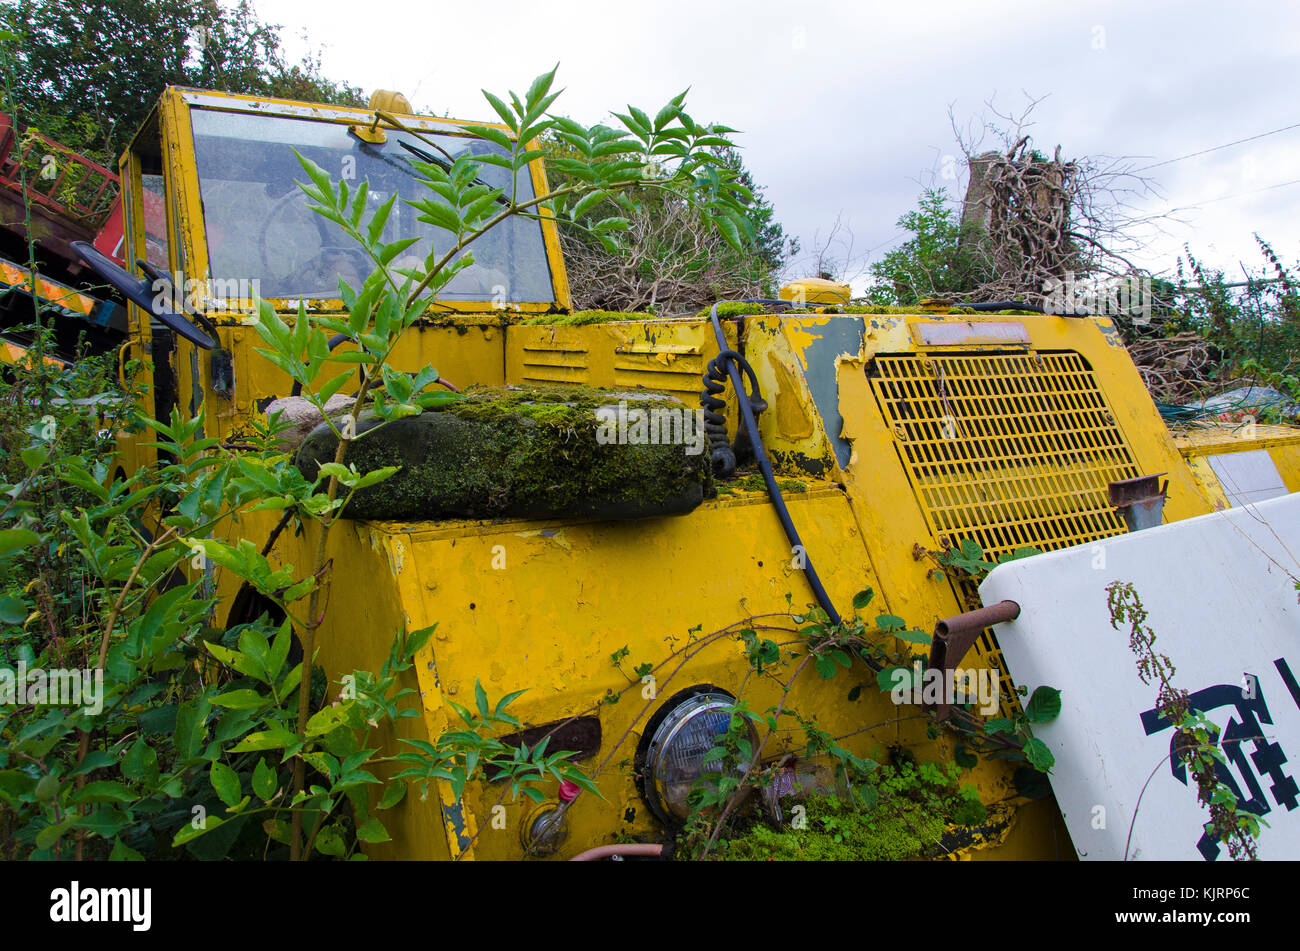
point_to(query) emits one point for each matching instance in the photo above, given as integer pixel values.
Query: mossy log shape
(525, 452)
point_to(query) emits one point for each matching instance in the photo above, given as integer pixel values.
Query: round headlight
(674, 758)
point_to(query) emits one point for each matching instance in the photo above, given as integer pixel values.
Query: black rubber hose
(1017, 305)
(1002, 305)
(734, 364)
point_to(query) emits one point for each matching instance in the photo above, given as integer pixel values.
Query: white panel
(965, 332)
(1221, 596)
(1247, 476)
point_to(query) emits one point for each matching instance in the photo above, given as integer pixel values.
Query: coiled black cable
(734, 363)
(721, 453)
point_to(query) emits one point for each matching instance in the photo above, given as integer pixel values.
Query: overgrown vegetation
(902, 812)
(1206, 330)
(937, 261)
(88, 72)
(671, 261)
(1197, 737)
(187, 737)
(899, 809)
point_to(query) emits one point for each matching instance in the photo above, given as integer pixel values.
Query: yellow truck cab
(895, 435)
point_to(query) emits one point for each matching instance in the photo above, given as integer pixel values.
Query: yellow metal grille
(1010, 450)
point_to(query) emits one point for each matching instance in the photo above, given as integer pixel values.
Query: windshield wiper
(424, 156)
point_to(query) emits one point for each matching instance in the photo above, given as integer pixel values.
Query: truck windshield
(260, 226)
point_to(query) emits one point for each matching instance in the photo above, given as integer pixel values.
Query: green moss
(517, 452)
(874, 309)
(901, 814)
(464, 321)
(726, 310)
(754, 483)
(582, 317)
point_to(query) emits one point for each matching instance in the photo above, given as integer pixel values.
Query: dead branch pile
(1175, 369)
(1023, 204)
(1032, 222)
(669, 262)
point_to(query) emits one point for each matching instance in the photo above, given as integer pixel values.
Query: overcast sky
(844, 107)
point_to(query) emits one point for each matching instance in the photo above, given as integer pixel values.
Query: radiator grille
(1009, 450)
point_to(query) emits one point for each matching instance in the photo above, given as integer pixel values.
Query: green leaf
(34, 456)
(495, 136)
(264, 781)
(587, 202)
(863, 598)
(1044, 705)
(888, 623)
(226, 782)
(417, 639)
(329, 842)
(394, 794)
(13, 611)
(540, 87)
(124, 853)
(187, 832)
(240, 699)
(327, 719)
(642, 121)
(372, 830)
(915, 637)
(265, 740)
(730, 233)
(999, 725)
(13, 539)
(51, 834)
(102, 791)
(439, 215)
(1039, 756)
(502, 110)
(886, 678)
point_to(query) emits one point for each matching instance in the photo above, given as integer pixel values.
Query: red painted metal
(85, 203)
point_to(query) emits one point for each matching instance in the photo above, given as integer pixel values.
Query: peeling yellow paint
(801, 337)
(550, 623)
(792, 415)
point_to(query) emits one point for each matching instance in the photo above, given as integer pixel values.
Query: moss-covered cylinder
(528, 452)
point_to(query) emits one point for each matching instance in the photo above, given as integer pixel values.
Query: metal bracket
(1141, 501)
(954, 636)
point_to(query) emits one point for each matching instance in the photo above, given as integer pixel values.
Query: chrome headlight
(674, 757)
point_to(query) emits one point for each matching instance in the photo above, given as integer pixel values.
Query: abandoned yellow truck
(645, 523)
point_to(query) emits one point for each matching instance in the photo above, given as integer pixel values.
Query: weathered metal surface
(955, 635)
(543, 604)
(1140, 500)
